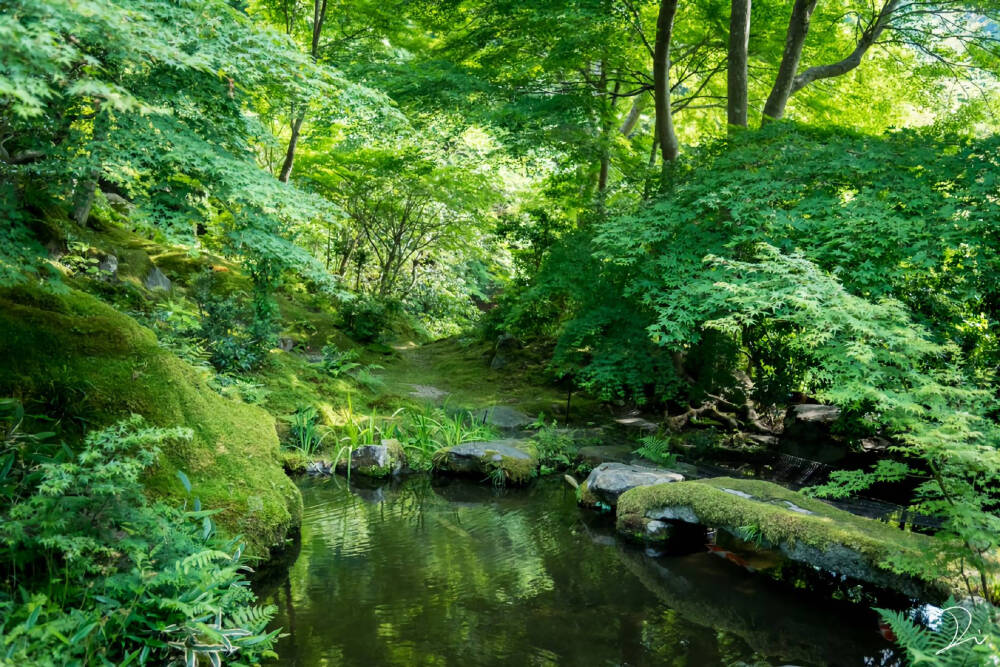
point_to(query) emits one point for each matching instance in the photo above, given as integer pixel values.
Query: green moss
(183, 266)
(520, 471)
(292, 382)
(74, 358)
(294, 461)
(462, 369)
(585, 496)
(517, 471)
(314, 325)
(769, 511)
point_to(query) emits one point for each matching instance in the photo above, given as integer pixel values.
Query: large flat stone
(501, 416)
(608, 481)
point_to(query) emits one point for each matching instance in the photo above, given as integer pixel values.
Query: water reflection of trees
(416, 564)
(420, 572)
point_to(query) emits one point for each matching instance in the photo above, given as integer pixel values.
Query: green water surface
(418, 572)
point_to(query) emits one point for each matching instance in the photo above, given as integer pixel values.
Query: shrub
(657, 450)
(95, 573)
(238, 331)
(367, 318)
(556, 448)
(336, 362)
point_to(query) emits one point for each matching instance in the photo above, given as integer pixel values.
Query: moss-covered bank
(72, 357)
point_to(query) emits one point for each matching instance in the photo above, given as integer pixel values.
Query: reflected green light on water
(418, 574)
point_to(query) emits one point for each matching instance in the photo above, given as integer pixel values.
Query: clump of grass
(422, 433)
(496, 474)
(306, 433)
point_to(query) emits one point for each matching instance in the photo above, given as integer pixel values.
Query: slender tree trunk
(654, 147)
(627, 126)
(86, 188)
(739, 40)
(795, 38)
(293, 141)
(661, 82)
(319, 17)
(602, 177)
(602, 88)
(632, 118)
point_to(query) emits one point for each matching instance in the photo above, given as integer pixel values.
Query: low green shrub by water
(94, 573)
(556, 448)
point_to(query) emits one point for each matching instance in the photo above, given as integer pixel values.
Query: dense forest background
(702, 209)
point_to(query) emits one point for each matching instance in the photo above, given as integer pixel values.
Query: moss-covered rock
(377, 461)
(608, 481)
(803, 529)
(74, 358)
(516, 460)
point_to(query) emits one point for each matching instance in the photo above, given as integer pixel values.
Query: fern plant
(957, 635)
(93, 572)
(657, 450)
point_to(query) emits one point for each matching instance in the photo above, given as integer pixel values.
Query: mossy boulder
(76, 359)
(803, 529)
(517, 459)
(608, 481)
(382, 460)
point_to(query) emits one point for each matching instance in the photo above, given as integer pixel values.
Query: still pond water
(418, 572)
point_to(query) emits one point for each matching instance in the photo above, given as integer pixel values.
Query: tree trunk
(654, 147)
(319, 17)
(293, 141)
(798, 28)
(739, 40)
(661, 81)
(86, 188)
(602, 89)
(868, 38)
(632, 119)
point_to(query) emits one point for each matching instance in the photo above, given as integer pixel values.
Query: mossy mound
(803, 529)
(515, 460)
(71, 357)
